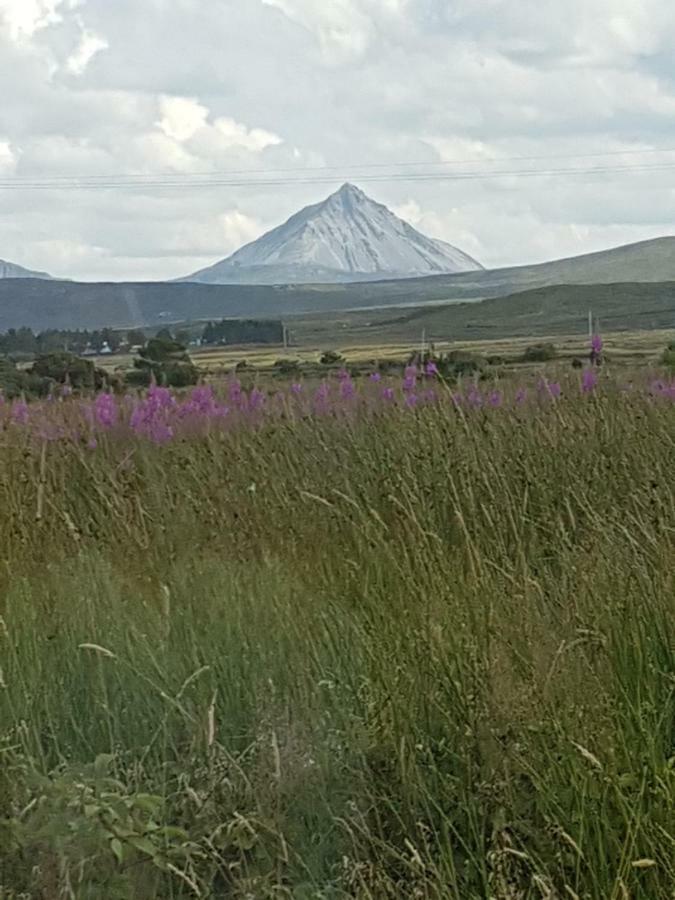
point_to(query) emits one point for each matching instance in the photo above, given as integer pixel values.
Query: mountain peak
(346, 237)
(350, 190)
(346, 197)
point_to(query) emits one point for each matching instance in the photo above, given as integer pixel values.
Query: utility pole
(590, 324)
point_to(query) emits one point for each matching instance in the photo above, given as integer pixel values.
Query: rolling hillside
(559, 309)
(43, 304)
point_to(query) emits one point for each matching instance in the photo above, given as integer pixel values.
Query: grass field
(402, 652)
(358, 345)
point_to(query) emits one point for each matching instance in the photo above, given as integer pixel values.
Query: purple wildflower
(475, 398)
(431, 368)
(105, 410)
(234, 392)
(347, 389)
(596, 344)
(388, 394)
(589, 381)
(20, 414)
(495, 399)
(376, 377)
(256, 400)
(521, 396)
(160, 433)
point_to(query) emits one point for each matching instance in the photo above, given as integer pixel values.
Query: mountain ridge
(43, 304)
(12, 270)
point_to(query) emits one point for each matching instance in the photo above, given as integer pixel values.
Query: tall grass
(425, 655)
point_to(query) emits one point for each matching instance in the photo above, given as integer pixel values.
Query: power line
(192, 181)
(351, 168)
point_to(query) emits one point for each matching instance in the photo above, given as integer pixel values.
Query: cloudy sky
(306, 94)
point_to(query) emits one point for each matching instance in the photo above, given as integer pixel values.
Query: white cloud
(344, 28)
(238, 135)
(89, 45)
(182, 117)
(24, 17)
(7, 158)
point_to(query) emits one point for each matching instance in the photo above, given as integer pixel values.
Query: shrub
(458, 363)
(64, 368)
(14, 382)
(138, 378)
(331, 358)
(166, 361)
(539, 353)
(668, 358)
(287, 366)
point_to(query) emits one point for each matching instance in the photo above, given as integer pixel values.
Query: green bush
(539, 353)
(66, 368)
(165, 361)
(331, 358)
(287, 366)
(668, 358)
(460, 363)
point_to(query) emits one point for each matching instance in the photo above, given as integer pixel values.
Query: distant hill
(652, 260)
(42, 304)
(347, 237)
(556, 309)
(11, 270)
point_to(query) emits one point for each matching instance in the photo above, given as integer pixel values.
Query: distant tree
(135, 337)
(14, 382)
(67, 368)
(166, 361)
(244, 331)
(163, 349)
(164, 334)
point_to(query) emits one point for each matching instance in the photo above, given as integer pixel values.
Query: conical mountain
(347, 237)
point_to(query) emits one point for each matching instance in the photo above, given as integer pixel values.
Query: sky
(100, 98)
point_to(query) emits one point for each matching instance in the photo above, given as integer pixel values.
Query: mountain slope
(60, 304)
(646, 261)
(10, 270)
(538, 312)
(347, 237)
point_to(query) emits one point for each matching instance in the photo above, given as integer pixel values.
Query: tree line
(25, 341)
